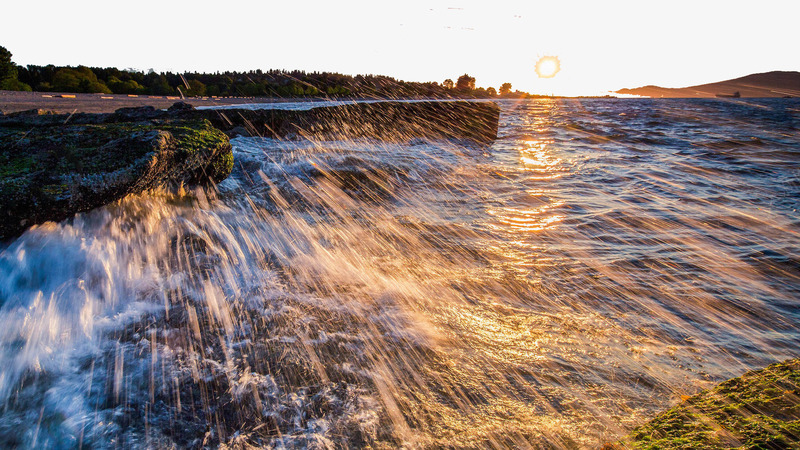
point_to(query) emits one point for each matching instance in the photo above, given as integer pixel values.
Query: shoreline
(68, 103)
(56, 165)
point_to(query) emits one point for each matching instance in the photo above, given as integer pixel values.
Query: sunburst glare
(548, 66)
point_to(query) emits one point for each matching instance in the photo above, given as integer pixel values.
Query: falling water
(597, 262)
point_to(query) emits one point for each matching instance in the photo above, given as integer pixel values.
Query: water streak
(601, 259)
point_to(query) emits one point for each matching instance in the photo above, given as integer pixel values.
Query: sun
(548, 66)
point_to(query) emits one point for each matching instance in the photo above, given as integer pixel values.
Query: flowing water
(597, 262)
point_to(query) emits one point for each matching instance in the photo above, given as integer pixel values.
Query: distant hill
(769, 84)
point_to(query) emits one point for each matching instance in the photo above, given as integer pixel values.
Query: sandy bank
(63, 103)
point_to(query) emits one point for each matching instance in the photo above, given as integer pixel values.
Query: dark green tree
(505, 88)
(159, 85)
(78, 79)
(336, 91)
(196, 89)
(8, 70)
(491, 92)
(66, 80)
(118, 86)
(253, 83)
(8, 73)
(465, 83)
(212, 91)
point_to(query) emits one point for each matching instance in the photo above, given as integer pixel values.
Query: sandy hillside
(770, 84)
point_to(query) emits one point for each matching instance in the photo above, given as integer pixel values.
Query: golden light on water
(548, 66)
(538, 163)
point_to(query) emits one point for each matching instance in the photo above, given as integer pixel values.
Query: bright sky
(602, 45)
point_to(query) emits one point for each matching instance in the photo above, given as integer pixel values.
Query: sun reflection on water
(533, 212)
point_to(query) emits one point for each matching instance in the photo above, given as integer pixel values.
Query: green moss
(221, 167)
(49, 171)
(760, 409)
(194, 136)
(16, 165)
(89, 149)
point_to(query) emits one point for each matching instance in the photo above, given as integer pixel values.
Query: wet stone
(52, 172)
(53, 166)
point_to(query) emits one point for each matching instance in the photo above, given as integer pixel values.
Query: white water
(556, 288)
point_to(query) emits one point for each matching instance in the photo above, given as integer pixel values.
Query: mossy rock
(51, 172)
(759, 410)
(221, 167)
(390, 120)
(52, 166)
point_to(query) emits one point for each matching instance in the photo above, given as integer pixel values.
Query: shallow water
(600, 260)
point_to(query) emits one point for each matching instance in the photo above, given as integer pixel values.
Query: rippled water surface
(600, 260)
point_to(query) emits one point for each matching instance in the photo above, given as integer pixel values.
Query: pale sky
(602, 46)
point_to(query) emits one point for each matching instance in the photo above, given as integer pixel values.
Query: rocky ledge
(52, 172)
(760, 409)
(53, 166)
(389, 120)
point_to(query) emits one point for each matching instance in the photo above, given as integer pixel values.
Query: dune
(769, 84)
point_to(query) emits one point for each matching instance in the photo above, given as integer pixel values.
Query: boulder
(181, 106)
(136, 113)
(52, 172)
(30, 112)
(237, 131)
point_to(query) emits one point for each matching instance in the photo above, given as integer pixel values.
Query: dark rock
(135, 110)
(136, 113)
(52, 166)
(181, 106)
(391, 120)
(476, 121)
(52, 172)
(30, 112)
(237, 131)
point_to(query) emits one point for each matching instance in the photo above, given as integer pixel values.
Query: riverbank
(69, 103)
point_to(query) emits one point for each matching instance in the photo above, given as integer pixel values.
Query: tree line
(254, 83)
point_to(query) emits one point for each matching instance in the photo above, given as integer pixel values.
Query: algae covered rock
(52, 166)
(52, 172)
(759, 410)
(385, 120)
